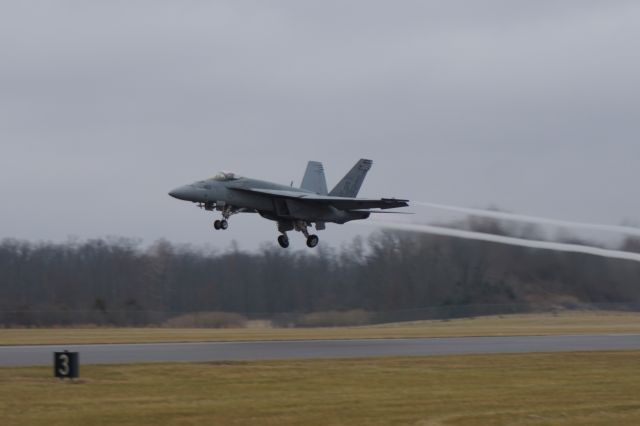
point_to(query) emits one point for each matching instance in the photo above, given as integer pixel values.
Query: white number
(64, 368)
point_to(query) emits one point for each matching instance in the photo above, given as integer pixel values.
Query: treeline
(117, 281)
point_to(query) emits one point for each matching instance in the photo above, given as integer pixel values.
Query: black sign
(66, 365)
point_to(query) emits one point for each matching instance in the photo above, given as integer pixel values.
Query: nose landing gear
(221, 224)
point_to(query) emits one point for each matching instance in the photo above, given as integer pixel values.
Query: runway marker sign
(66, 365)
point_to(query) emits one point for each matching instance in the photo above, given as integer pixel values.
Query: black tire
(216, 224)
(224, 224)
(312, 241)
(283, 241)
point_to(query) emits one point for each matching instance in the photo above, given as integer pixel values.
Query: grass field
(594, 388)
(571, 322)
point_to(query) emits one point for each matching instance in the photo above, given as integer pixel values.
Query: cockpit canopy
(225, 176)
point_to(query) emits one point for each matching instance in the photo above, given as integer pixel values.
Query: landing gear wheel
(224, 224)
(283, 240)
(312, 241)
(216, 224)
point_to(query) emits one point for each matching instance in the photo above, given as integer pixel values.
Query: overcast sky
(532, 106)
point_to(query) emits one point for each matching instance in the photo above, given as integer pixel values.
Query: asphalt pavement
(309, 349)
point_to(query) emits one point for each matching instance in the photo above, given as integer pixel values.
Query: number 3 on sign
(64, 365)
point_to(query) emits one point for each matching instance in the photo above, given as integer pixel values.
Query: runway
(309, 349)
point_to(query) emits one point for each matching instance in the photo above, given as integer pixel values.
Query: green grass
(593, 388)
(586, 322)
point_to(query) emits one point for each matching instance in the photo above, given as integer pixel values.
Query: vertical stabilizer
(314, 179)
(350, 184)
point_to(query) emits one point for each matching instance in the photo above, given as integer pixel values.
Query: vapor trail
(458, 233)
(534, 219)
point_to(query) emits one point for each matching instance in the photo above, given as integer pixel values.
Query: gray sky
(106, 106)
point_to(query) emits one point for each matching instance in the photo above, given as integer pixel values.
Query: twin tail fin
(350, 184)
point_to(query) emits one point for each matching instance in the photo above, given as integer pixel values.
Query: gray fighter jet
(292, 208)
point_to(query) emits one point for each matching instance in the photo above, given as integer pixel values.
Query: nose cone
(186, 193)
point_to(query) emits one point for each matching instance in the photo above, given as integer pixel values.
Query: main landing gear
(312, 241)
(283, 240)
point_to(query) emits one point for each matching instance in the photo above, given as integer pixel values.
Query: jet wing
(342, 203)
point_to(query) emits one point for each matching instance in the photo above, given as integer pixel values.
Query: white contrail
(533, 219)
(573, 248)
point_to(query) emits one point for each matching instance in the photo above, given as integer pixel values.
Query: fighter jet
(292, 208)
